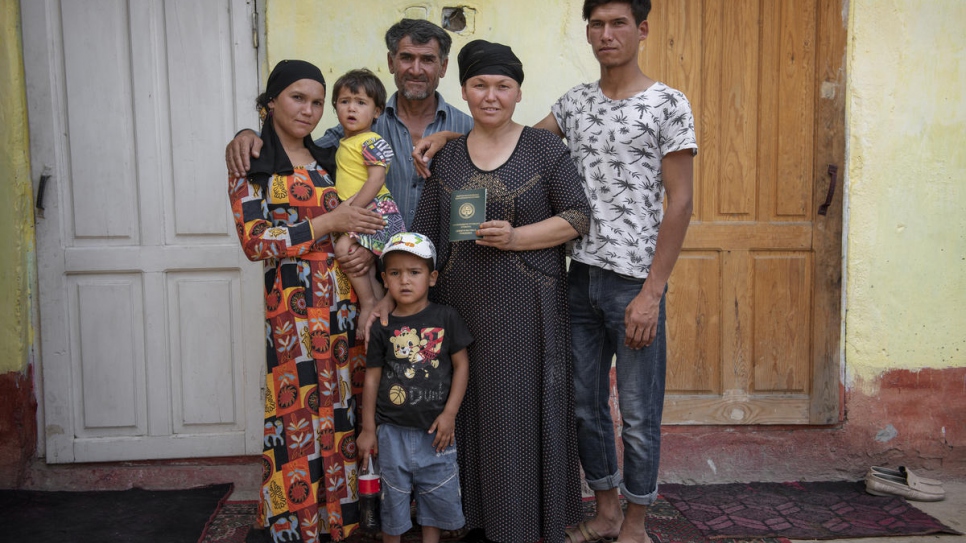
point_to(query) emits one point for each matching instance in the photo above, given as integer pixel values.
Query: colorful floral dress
(315, 369)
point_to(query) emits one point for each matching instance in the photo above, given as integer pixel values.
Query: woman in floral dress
(285, 212)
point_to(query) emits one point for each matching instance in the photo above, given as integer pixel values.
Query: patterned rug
(823, 510)
(231, 524)
(665, 525)
(135, 515)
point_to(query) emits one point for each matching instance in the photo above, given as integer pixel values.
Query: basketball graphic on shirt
(397, 395)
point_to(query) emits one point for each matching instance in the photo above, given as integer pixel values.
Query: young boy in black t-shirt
(416, 374)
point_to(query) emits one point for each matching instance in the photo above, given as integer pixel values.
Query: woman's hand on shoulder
(498, 234)
(381, 312)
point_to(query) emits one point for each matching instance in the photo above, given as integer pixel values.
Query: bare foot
(633, 530)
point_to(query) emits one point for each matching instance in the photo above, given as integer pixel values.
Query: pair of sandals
(882, 481)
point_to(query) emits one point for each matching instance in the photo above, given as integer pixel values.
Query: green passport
(467, 212)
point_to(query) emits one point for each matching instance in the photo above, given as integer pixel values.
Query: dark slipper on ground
(476, 535)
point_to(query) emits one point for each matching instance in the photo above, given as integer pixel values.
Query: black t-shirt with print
(414, 354)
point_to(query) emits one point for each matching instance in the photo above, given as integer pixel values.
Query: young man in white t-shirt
(633, 141)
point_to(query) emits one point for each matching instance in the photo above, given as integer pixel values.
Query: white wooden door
(151, 328)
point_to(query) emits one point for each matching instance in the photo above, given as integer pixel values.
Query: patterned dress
(515, 431)
(315, 369)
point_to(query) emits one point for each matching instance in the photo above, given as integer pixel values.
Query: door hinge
(41, 191)
(254, 25)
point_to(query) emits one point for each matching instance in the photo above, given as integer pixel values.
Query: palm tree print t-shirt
(617, 146)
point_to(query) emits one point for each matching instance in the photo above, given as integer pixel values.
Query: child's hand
(367, 444)
(443, 426)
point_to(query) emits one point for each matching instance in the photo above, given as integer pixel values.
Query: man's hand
(640, 318)
(549, 123)
(443, 426)
(239, 151)
(426, 148)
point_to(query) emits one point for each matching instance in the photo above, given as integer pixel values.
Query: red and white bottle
(370, 487)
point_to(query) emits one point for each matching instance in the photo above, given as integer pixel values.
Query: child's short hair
(364, 79)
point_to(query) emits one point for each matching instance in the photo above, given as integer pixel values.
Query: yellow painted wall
(16, 221)
(337, 38)
(906, 218)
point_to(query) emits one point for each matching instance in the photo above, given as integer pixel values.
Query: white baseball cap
(411, 242)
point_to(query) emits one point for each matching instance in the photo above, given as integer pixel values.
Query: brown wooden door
(754, 301)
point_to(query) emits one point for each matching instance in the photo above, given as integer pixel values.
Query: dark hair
(364, 79)
(421, 32)
(262, 101)
(640, 8)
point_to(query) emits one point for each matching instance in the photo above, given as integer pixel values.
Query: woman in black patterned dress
(515, 430)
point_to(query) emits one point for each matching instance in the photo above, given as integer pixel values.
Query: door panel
(106, 310)
(753, 301)
(150, 314)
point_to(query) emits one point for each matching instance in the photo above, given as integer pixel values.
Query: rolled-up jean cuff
(606, 483)
(646, 499)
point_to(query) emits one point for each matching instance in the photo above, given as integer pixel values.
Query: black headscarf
(272, 159)
(480, 57)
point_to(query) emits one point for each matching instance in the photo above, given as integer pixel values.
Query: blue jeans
(598, 298)
(409, 465)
